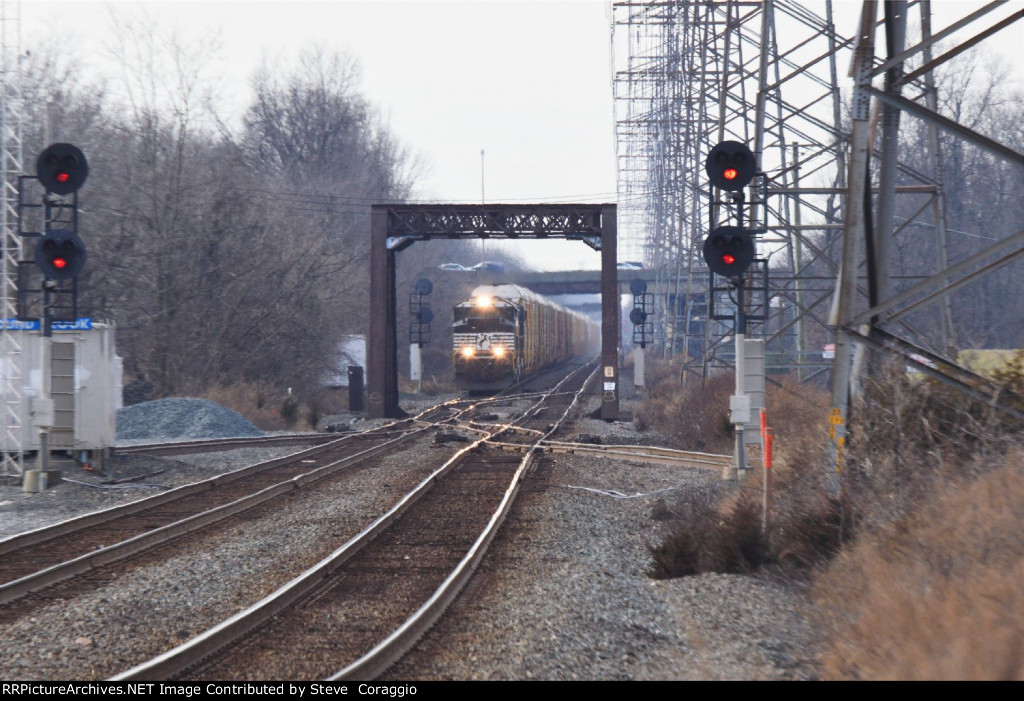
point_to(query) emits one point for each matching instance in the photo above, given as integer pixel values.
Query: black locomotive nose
(514, 334)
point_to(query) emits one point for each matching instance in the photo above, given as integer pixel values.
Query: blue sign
(18, 325)
(83, 324)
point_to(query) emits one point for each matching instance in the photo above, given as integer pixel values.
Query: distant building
(351, 351)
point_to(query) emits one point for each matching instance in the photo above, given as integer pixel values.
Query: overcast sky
(527, 82)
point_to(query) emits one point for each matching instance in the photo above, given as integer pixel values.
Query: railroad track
(641, 453)
(356, 612)
(35, 560)
(215, 444)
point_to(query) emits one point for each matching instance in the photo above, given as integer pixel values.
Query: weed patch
(936, 594)
(918, 562)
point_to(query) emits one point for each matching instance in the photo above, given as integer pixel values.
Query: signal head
(729, 250)
(730, 166)
(60, 255)
(62, 168)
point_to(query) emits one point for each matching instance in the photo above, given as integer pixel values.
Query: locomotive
(504, 333)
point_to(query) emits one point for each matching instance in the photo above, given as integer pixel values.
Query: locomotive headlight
(499, 352)
(468, 352)
(484, 301)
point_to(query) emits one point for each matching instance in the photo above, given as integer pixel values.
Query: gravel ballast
(563, 594)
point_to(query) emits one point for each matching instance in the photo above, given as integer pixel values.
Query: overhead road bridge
(561, 282)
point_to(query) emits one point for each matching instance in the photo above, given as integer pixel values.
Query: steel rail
(191, 652)
(105, 556)
(654, 454)
(96, 518)
(392, 648)
(146, 541)
(214, 444)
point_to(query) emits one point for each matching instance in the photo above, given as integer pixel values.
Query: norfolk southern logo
(83, 324)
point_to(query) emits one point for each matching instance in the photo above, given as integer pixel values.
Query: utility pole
(853, 233)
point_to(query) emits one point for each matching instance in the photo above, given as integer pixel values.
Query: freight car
(504, 333)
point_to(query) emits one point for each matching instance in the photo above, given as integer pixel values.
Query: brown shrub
(273, 409)
(712, 537)
(936, 594)
(722, 531)
(911, 437)
(920, 560)
(691, 417)
(255, 403)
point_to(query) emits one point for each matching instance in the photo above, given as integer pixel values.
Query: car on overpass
(488, 266)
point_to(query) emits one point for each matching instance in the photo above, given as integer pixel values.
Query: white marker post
(638, 367)
(416, 365)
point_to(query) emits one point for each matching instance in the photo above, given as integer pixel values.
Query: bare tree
(223, 257)
(980, 192)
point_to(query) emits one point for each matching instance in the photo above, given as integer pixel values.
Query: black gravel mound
(168, 419)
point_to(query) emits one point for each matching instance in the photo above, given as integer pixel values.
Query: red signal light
(60, 255)
(729, 250)
(62, 169)
(730, 165)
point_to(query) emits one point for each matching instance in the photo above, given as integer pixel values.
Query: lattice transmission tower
(12, 392)
(851, 209)
(690, 75)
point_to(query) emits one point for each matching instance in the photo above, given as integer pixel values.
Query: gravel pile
(184, 418)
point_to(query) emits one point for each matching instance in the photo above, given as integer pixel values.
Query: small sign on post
(739, 409)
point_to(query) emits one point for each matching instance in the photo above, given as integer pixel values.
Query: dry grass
(911, 439)
(692, 417)
(720, 530)
(713, 536)
(431, 386)
(273, 409)
(918, 569)
(937, 594)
